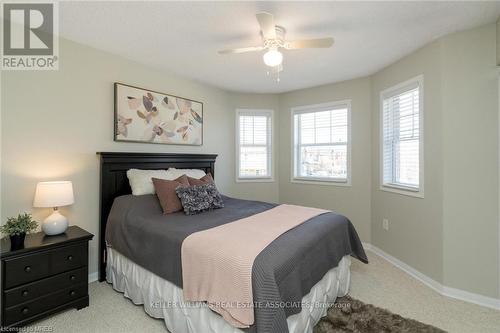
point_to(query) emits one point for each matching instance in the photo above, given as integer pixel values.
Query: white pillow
(193, 173)
(140, 180)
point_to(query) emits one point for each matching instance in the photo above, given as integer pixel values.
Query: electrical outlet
(385, 224)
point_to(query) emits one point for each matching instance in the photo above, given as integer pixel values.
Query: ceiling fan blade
(309, 43)
(266, 22)
(242, 50)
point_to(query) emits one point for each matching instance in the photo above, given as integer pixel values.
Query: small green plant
(21, 224)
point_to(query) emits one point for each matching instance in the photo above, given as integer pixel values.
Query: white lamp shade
(53, 194)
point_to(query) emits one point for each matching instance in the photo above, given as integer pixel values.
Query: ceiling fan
(273, 39)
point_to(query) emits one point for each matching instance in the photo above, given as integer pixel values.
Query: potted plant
(17, 227)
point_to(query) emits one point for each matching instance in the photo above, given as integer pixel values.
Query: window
(254, 145)
(402, 149)
(321, 150)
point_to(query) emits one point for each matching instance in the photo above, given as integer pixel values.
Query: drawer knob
(72, 278)
(25, 293)
(72, 293)
(27, 269)
(25, 311)
(70, 257)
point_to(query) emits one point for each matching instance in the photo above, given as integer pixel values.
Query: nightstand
(48, 275)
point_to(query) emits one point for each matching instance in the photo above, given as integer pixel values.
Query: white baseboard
(93, 277)
(493, 303)
(466, 296)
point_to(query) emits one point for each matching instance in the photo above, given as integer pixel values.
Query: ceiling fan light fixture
(273, 40)
(273, 57)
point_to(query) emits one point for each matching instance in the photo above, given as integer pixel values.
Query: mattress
(164, 300)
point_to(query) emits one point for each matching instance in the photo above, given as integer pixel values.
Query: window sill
(319, 181)
(403, 190)
(255, 180)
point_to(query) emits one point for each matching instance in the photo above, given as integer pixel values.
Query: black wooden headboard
(114, 181)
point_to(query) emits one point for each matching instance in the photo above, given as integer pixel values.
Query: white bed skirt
(163, 299)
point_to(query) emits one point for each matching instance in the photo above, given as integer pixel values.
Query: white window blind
(254, 144)
(321, 142)
(401, 112)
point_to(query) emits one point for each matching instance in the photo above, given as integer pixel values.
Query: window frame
(270, 145)
(295, 147)
(391, 92)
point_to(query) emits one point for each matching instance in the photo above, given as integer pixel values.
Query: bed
(294, 278)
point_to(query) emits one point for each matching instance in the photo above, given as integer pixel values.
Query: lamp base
(55, 224)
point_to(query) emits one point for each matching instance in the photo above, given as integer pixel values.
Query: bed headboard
(114, 181)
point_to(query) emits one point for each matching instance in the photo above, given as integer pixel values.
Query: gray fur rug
(351, 315)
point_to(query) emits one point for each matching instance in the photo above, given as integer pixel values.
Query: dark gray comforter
(284, 271)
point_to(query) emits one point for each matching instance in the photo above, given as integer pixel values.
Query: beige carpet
(378, 283)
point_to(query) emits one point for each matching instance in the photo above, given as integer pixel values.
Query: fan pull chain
(278, 79)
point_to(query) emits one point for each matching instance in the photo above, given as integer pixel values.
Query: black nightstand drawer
(43, 287)
(47, 275)
(26, 269)
(26, 310)
(67, 258)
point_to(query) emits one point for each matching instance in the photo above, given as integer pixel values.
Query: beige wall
(471, 169)
(452, 233)
(415, 235)
(52, 123)
(352, 201)
(498, 41)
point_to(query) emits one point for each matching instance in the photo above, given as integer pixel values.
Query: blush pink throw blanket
(217, 263)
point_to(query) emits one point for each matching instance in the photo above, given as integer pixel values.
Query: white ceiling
(184, 37)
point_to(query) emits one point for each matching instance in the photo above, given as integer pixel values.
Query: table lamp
(55, 195)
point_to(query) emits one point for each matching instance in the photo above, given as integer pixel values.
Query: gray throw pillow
(199, 198)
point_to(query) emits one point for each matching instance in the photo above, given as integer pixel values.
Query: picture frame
(147, 116)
